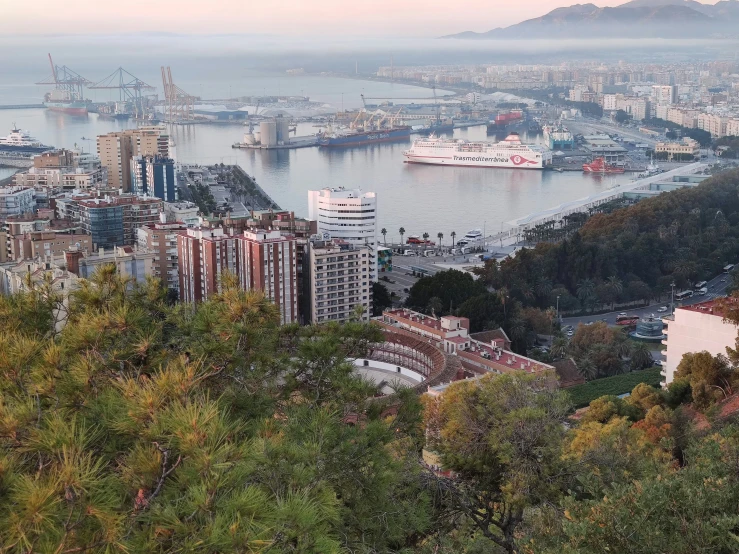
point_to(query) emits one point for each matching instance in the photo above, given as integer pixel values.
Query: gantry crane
(179, 106)
(130, 88)
(64, 79)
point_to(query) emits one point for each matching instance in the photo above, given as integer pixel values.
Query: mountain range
(635, 19)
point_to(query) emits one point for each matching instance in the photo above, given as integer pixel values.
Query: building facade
(16, 200)
(113, 221)
(153, 176)
(688, 147)
(347, 215)
(203, 256)
(338, 281)
(116, 150)
(267, 261)
(161, 240)
(696, 328)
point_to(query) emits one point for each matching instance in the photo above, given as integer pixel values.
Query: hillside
(635, 19)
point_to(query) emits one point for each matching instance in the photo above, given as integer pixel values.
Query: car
(622, 314)
(662, 309)
(406, 289)
(723, 280)
(570, 333)
(658, 362)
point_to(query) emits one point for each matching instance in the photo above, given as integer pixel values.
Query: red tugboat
(599, 165)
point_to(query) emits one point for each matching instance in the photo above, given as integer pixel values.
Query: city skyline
(282, 17)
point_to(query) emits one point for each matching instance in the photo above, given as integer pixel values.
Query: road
(583, 124)
(716, 288)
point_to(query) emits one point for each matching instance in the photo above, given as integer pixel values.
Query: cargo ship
(359, 138)
(21, 142)
(64, 102)
(558, 137)
(508, 153)
(599, 165)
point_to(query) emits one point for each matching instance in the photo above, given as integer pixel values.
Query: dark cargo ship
(358, 138)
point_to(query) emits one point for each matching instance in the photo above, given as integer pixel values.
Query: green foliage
(143, 427)
(203, 197)
(711, 378)
(380, 299)
(582, 395)
(680, 236)
(598, 350)
(621, 116)
(501, 435)
(451, 287)
(484, 311)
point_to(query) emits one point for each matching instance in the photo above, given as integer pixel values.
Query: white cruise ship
(510, 152)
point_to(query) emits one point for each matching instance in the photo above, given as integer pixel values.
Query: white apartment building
(338, 281)
(348, 215)
(732, 128)
(714, 124)
(694, 329)
(185, 212)
(664, 94)
(16, 200)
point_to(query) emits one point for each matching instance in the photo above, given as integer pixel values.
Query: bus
(684, 294)
(728, 268)
(700, 285)
(627, 320)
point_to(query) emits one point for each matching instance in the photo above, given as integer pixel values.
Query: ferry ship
(21, 141)
(510, 153)
(359, 138)
(599, 165)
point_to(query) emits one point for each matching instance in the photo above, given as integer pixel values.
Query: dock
(296, 142)
(21, 106)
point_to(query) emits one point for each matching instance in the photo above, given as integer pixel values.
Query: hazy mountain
(635, 19)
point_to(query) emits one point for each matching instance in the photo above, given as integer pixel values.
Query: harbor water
(419, 198)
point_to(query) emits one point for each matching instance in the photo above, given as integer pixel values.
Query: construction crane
(437, 106)
(130, 88)
(179, 105)
(64, 79)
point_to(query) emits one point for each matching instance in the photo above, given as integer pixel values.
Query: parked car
(658, 362)
(662, 309)
(570, 333)
(622, 314)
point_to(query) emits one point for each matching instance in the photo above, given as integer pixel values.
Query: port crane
(179, 105)
(63, 78)
(130, 88)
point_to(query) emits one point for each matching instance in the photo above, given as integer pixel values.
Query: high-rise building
(347, 215)
(161, 240)
(154, 176)
(267, 261)
(203, 255)
(116, 150)
(338, 281)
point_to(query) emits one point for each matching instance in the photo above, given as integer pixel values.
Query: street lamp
(558, 307)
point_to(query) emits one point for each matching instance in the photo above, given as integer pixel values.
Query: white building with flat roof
(349, 215)
(696, 328)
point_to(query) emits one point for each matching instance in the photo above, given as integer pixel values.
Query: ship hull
(71, 109)
(474, 161)
(24, 149)
(361, 139)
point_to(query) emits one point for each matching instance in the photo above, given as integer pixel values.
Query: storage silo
(268, 132)
(283, 130)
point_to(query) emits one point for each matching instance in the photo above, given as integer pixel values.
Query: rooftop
(716, 306)
(498, 356)
(415, 317)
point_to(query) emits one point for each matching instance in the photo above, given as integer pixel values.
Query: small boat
(599, 165)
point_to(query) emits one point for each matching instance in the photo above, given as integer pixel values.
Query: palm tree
(402, 232)
(425, 237)
(587, 369)
(453, 234)
(585, 289)
(559, 347)
(616, 287)
(440, 236)
(384, 235)
(502, 293)
(641, 357)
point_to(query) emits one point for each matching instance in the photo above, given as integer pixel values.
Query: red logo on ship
(519, 160)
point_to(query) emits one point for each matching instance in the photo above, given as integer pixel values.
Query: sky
(320, 18)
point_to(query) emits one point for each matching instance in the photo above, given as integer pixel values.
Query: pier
(21, 106)
(557, 213)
